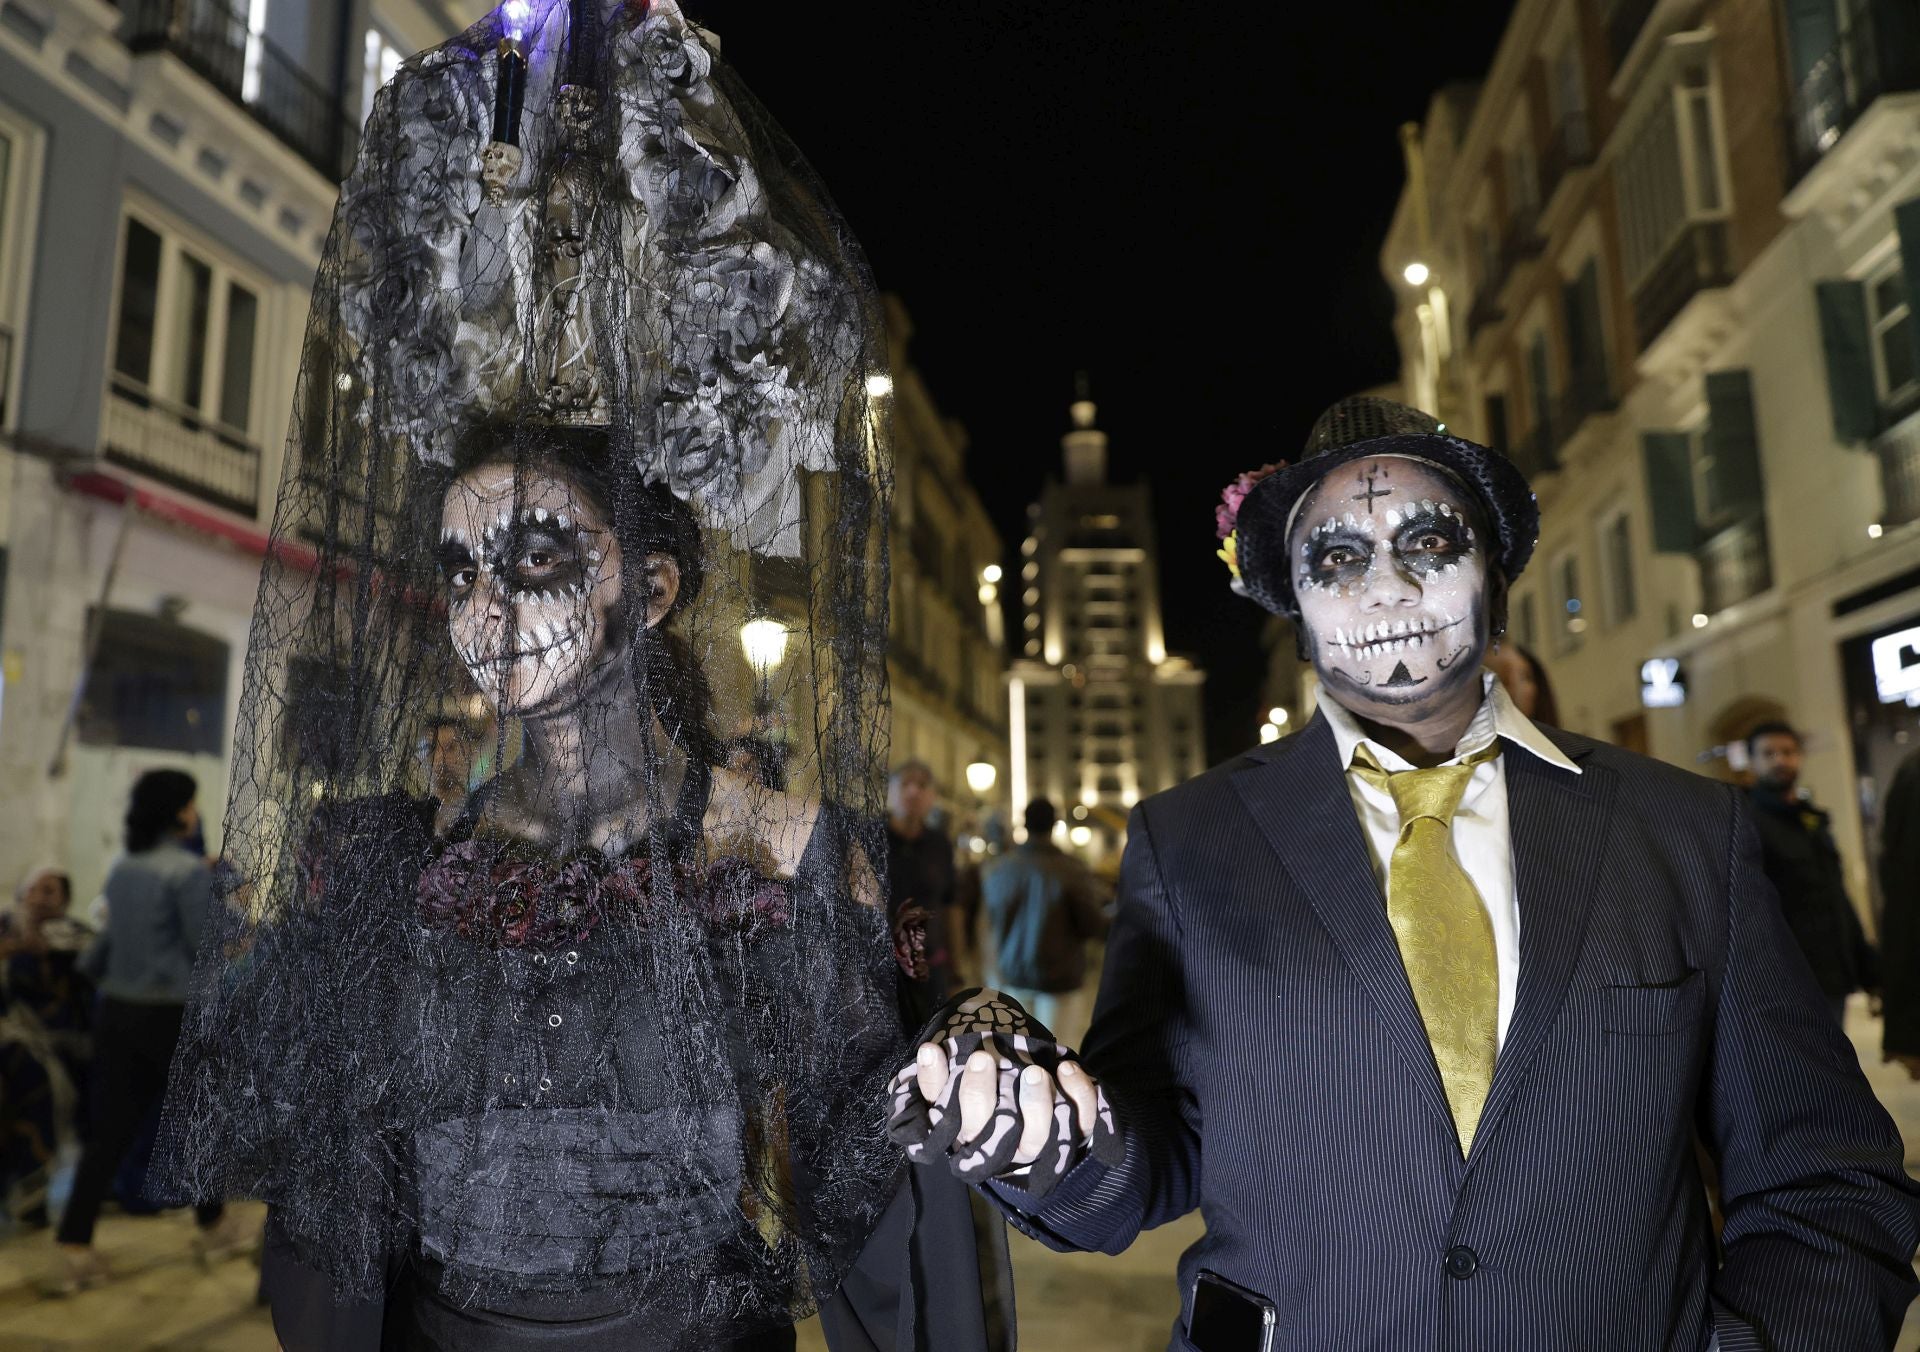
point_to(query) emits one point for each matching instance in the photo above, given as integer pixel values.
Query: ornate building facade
(168, 172)
(947, 659)
(1668, 258)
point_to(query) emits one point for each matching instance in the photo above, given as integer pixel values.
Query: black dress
(554, 1148)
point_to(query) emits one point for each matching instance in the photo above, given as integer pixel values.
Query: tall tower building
(1102, 715)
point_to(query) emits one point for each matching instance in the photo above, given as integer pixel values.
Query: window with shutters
(1616, 558)
(1569, 620)
(186, 347)
(1672, 179)
(1896, 367)
(1526, 621)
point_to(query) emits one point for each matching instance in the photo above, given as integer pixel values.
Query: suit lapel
(1298, 796)
(1558, 823)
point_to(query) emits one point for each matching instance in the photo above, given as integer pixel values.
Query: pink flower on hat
(1227, 515)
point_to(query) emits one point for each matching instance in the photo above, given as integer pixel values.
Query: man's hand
(992, 1091)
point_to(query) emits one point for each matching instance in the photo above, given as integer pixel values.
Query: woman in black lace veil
(588, 468)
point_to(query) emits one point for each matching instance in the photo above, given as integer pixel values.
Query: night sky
(1185, 201)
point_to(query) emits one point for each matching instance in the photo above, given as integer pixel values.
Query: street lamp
(1277, 716)
(1416, 274)
(981, 777)
(1081, 836)
(879, 385)
(991, 573)
(765, 642)
(1269, 732)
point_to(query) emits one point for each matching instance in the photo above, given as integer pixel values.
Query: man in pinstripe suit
(1425, 1007)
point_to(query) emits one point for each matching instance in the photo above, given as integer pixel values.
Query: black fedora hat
(1379, 427)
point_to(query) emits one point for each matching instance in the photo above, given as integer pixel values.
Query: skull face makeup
(1391, 574)
(532, 571)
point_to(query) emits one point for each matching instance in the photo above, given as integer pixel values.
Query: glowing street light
(1081, 836)
(991, 573)
(1416, 274)
(1269, 732)
(765, 642)
(879, 385)
(981, 777)
(1277, 716)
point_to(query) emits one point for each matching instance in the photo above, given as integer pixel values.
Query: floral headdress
(1227, 515)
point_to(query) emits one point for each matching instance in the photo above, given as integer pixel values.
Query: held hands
(993, 1092)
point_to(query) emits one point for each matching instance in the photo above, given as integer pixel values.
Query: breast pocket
(1657, 1009)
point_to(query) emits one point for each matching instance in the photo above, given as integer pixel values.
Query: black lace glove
(984, 1062)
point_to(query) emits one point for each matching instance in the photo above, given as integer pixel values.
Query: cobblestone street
(165, 1302)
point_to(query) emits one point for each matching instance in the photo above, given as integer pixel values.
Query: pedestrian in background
(158, 894)
(920, 863)
(1042, 907)
(1802, 863)
(1900, 916)
(46, 1021)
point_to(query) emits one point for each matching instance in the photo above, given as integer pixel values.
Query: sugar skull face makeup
(1390, 571)
(532, 572)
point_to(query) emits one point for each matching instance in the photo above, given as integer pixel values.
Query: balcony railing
(1625, 19)
(1898, 450)
(181, 447)
(1734, 564)
(1586, 394)
(1570, 148)
(214, 42)
(1696, 261)
(1869, 60)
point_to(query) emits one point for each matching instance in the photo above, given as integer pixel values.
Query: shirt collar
(1497, 717)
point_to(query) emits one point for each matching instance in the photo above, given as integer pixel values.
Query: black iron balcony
(1696, 261)
(1625, 19)
(1570, 148)
(213, 42)
(1870, 59)
(1898, 451)
(1735, 564)
(1587, 393)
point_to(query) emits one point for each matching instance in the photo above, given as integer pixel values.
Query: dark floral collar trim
(503, 894)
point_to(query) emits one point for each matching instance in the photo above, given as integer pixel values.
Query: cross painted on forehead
(1370, 492)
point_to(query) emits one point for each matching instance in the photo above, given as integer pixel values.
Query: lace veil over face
(552, 960)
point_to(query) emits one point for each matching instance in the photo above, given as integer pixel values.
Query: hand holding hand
(991, 1090)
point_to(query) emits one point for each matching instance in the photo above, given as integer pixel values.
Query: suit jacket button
(1462, 1262)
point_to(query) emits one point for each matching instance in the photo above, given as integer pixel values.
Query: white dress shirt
(1481, 839)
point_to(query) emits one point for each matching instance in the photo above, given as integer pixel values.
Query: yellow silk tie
(1445, 935)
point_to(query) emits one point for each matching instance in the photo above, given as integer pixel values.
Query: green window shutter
(1733, 475)
(1843, 333)
(1669, 461)
(1906, 219)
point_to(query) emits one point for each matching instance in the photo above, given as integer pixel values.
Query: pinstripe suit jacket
(1257, 1036)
